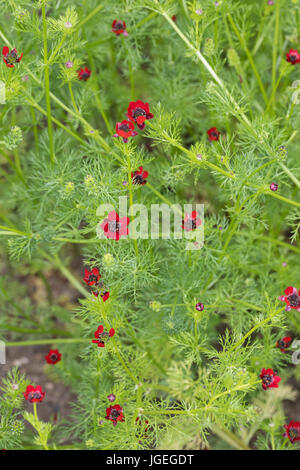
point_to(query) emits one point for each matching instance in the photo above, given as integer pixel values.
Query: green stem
(259, 325)
(47, 341)
(274, 54)
(131, 205)
(47, 85)
(248, 53)
(72, 97)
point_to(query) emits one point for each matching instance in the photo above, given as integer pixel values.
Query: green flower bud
(108, 259)
(155, 306)
(209, 47)
(13, 138)
(233, 58)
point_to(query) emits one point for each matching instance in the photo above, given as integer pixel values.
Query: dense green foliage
(193, 375)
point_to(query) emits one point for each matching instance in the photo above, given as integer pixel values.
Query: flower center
(119, 25)
(124, 127)
(34, 396)
(190, 224)
(293, 58)
(115, 414)
(138, 179)
(294, 300)
(139, 112)
(93, 278)
(12, 57)
(53, 357)
(114, 226)
(281, 344)
(267, 379)
(294, 433)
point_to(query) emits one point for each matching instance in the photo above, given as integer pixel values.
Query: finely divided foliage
(162, 102)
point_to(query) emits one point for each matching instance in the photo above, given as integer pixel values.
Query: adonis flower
(269, 379)
(139, 112)
(191, 221)
(213, 134)
(292, 431)
(293, 56)
(139, 176)
(34, 394)
(115, 413)
(115, 227)
(102, 336)
(104, 295)
(92, 277)
(10, 58)
(84, 74)
(53, 356)
(119, 27)
(125, 129)
(291, 298)
(284, 343)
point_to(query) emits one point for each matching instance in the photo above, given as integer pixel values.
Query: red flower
(139, 112)
(125, 129)
(284, 343)
(269, 379)
(174, 18)
(104, 296)
(115, 227)
(291, 298)
(84, 74)
(139, 176)
(293, 56)
(292, 431)
(191, 221)
(119, 27)
(34, 394)
(92, 277)
(213, 134)
(102, 336)
(53, 356)
(10, 58)
(115, 413)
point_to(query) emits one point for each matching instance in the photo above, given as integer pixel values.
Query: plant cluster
(158, 102)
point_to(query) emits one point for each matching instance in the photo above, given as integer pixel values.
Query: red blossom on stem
(293, 56)
(115, 227)
(10, 58)
(269, 379)
(213, 134)
(34, 394)
(284, 343)
(139, 112)
(92, 277)
(139, 176)
(53, 356)
(125, 129)
(292, 431)
(84, 74)
(119, 27)
(291, 298)
(102, 336)
(191, 221)
(115, 413)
